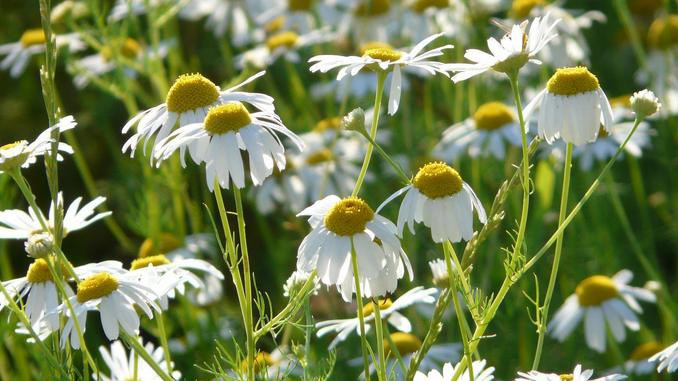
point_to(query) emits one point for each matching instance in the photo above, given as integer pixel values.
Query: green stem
(307, 337)
(386, 156)
(458, 310)
(164, 342)
(361, 317)
(625, 16)
(381, 364)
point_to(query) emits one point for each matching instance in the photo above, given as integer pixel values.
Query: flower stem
(381, 364)
(361, 317)
(164, 343)
(458, 310)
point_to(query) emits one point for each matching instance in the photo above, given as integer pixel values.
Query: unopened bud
(39, 245)
(645, 103)
(354, 121)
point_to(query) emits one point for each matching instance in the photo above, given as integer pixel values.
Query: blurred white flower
(576, 375)
(667, 359)
(31, 43)
(124, 367)
(480, 373)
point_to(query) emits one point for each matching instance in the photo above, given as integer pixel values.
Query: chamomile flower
(123, 366)
(300, 15)
(480, 373)
(285, 44)
(340, 225)
(31, 43)
(223, 15)
(662, 58)
(217, 141)
(602, 302)
(386, 59)
(485, 134)
(512, 52)
(124, 8)
(667, 359)
(639, 362)
(22, 154)
(285, 190)
(367, 20)
(296, 281)
(440, 199)
(188, 101)
(576, 375)
(572, 107)
(389, 311)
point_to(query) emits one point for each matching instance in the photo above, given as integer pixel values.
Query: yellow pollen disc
(38, 272)
(369, 8)
(299, 5)
(166, 243)
(492, 115)
(190, 92)
(275, 25)
(228, 117)
(262, 361)
(97, 286)
(155, 260)
(663, 32)
(602, 133)
(320, 156)
(383, 304)
(383, 54)
(572, 81)
(282, 40)
(128, 48)
(566, 377)
(422, 5)
(521, 9)
(437, 180)
(33, 37)
(621, 101)
(328, 124)
(594, 290)
(646, 350)
(348, 217)
(405, 343)
(11, 145)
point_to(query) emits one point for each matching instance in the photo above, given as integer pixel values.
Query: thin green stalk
(556, 259)
(458, 310)
(164, 342)
(394, 349)
(308, 331)
(381, 361)
(361, 317)
(625, 16)
(386, 156)
(138, 348)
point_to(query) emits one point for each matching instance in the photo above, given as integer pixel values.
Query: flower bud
(354, 120)
(645, 103)
(39, 245)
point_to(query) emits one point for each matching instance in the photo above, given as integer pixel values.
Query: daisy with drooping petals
(640, 360)
(218, 139)
(576, 375)
(480, 373)
(282, 44)
(389, 312)
(386, 59)
(440, 199)
(515, 49)
(667, 359)
(572, 107)
(33, 42)
(340, 225)
(602, 302)
(22, 154)
(188, 101)
(486, 133)
(124, 367)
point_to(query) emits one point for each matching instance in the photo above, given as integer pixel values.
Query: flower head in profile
(644, 103)
(667, 359)
(341, 226)
(480, 373)
(577, 375)
(601, 302)
(640, 360)
(33, 42)
(384, 58)
(123, 366)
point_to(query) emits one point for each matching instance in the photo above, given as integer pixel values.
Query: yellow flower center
(275, 25)
(97, 286)
(38, 272)
(328, 124)
(602, 133)
(383, 54)
(228, 117)
(437, 180)
(299, 5)
(572, 81)
(33, 37)
(190, 92)
(405, 343)
(155, 260)
(422, 5)
(566, 377)
(370, 8)
(128, 48)
(492, 115)
(262, 361)
(348, 217)
(11, 145)
(320, 156)
(663, 32)
(621, 101)
(282, 40)
(383, 304)
(521, 9)
(165, 243)
(594, 290)
(646, 350)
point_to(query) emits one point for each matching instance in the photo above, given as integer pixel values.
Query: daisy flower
(282, 191)
(340, 224)
(640, 362)
(389, 312)
(511, 53)
(480, 373)
(223, 15)
(31, 43)
(22, 154)
(576, 375)
(300, 15)
(486, 133)
(572, 107)
(366, 20)
(123, 8)
(285, 44)
(667, 359)
(440, 199)
(123, 367)
(386, 59)
(188, 101)
(296, 281)
(601, 301)
(218, 139)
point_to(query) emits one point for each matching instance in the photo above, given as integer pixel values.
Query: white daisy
(576, 375)
(124, 367)
(480, 373)
(223, 15)
(296, 281)
(188, 101)
(340, 224)
(32, 42)
(218, 139)
(123, 8)
(667, 359)
(389, 312)
(22, 154)
(601, 301)
(282, 191)
(300, 15)
(511, 53)
(440, 199)
(639, 361)
(386, 59)
(572, 107)
(662, 58)
(285, 44)
(361, 85)
(366, 20)
(486, 133)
